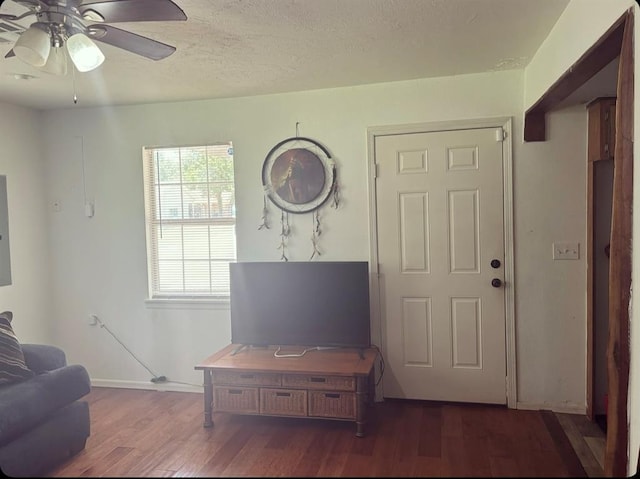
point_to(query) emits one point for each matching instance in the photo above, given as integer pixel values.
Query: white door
(439, 202)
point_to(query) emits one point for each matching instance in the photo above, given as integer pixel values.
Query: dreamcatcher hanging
(298, 176)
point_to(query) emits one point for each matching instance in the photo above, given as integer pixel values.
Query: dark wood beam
(603, 52)
(618, 354)
(535, 128)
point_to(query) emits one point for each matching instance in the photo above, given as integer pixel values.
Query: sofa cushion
(43, 357)
(25, 404)
(12, 365)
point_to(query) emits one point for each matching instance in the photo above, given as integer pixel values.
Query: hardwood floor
(138, 433)
(588, 441)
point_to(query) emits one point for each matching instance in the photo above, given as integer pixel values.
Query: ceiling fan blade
(135, 10)
(129, 41)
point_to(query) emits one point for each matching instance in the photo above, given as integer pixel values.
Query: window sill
(188, 303)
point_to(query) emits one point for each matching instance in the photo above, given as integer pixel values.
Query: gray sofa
(42, 420)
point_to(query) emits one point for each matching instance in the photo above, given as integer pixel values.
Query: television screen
(319, 303)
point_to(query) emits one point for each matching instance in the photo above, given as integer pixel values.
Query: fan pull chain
(73, 81)
(316, 233)
(265, 215)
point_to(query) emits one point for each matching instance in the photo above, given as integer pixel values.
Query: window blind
(190, 220)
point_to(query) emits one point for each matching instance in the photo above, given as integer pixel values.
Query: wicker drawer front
(233, 378)
(283, 402)
(232, 399)
(332, 404)
(335, 383)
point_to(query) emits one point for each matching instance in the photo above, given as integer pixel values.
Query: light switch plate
(566, 250)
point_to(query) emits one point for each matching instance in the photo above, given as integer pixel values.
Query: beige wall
(29, 295)
(550, 200)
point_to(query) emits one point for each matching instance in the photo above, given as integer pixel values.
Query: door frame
(507, 184)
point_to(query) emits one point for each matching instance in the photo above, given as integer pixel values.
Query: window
(190, 220)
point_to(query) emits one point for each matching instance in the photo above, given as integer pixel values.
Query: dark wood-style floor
(138, 433)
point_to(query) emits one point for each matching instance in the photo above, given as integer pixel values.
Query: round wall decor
(298, 175)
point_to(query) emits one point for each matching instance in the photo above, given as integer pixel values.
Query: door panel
(439, 204)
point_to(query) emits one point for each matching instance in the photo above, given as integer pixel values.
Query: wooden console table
(328, 384)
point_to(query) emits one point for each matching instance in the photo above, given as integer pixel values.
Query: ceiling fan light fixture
(84, 53)
(57, 62)
(33, 46)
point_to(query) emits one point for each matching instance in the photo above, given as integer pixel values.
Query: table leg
(208, 398)
(361, 404)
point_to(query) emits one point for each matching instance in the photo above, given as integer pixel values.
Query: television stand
(323, 384)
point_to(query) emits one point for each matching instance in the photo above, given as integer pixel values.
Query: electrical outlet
(93, 320)
(566, 250)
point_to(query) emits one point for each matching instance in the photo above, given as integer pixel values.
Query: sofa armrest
(25, 404)
(43, 357)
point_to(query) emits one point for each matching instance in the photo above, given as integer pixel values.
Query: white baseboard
(561, 408)
(166, 386)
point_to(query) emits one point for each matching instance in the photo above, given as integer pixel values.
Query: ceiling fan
(69, 27)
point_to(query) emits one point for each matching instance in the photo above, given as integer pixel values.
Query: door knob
(496, 283)
(495, 263)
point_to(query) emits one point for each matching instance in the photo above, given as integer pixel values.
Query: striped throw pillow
(12, 365)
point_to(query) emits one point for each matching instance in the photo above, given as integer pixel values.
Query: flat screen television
(291, 303)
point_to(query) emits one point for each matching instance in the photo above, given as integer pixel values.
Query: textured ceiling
(231, 48)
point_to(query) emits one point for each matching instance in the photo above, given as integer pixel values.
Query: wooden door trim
(603, 52)
(590, 292)
(618, 354)
(593, 156)
(507, 160)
